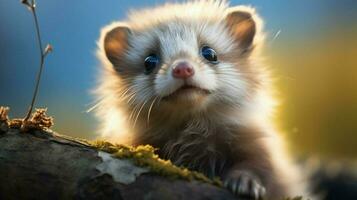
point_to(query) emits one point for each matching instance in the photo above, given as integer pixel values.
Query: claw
(256, 193)
(262, 192)
(234, 186)
(245, 185)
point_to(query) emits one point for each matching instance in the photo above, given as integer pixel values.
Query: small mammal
(187, 78)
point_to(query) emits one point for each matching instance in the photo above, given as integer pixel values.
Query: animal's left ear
(242, 22)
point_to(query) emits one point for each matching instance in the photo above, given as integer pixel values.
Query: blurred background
(311, 48)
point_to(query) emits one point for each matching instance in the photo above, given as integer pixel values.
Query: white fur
(196, 19)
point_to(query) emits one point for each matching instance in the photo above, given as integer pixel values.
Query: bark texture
(43, 165)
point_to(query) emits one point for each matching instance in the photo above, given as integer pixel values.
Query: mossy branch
(69, 168)
(57, 152)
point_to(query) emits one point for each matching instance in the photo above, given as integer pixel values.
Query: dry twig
(31, 5)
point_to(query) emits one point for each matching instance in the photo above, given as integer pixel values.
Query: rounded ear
(116, 42)
(242, 22)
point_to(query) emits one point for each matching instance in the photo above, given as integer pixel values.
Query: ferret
(188, 79)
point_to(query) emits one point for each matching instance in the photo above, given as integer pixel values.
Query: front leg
(244, 184)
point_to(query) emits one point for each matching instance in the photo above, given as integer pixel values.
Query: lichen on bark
(144, 156)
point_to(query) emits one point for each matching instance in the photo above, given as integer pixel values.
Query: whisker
(126, 91)
(277, 34)
(141, 108)
(149, 112)
(96, 105)
(133, 112)
(132, 96)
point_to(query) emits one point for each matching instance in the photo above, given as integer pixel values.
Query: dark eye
(209, 54)
(150, 63)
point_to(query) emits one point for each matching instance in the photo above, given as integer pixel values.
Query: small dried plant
(38, 121)
(4, 111)
(4, 119)
(31, 5)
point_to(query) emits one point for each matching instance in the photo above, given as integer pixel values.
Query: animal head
(186, 58)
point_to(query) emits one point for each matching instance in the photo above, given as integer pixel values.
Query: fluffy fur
(225, 133)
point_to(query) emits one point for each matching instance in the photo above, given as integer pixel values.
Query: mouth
(187, 90)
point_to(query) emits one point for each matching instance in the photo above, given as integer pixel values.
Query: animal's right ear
(116, 43)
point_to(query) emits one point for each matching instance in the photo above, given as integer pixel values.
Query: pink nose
(183, 70)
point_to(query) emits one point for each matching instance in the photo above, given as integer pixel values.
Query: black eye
(209, 54)
(150, 63)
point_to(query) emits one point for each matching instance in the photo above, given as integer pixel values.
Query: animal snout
(183, 70)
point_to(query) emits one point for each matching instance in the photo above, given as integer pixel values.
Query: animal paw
(244, 185)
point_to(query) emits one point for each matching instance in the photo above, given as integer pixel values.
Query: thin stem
(42, 60)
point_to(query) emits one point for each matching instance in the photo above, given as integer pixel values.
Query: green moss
(144, 156)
